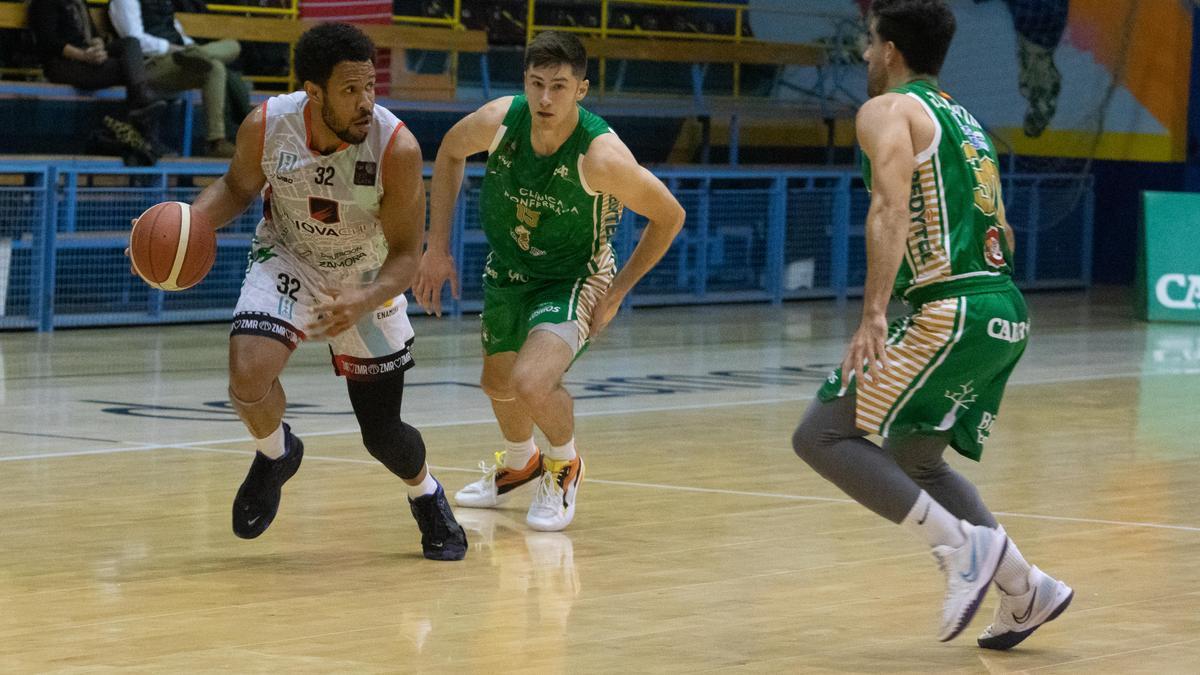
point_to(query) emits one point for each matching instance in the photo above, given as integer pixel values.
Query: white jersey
(323, 209)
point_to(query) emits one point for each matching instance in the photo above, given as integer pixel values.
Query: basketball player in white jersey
(343, 217)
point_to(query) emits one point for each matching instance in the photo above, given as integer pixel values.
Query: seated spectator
(175, 62)
(74, 52)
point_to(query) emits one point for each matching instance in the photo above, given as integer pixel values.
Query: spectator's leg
(225, 51)
(84, 75)
(128, 53)
(214, 102)
(166, 74)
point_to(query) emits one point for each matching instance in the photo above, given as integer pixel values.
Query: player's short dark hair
(921, 30)
(553, 48)
(324, 46)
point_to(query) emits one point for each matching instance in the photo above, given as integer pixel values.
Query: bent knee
(531, 386)
(496, 387)
(247, 382)
(804, 442)
(812, 442)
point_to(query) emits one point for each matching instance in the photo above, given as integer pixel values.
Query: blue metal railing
(752, 235)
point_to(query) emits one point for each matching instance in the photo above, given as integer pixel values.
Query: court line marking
(490, 420)
(199, 446)
(423, 425)
(720, 491)
(1113, 655)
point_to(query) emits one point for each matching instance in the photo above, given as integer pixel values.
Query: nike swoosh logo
(970, 575)
(1028, 610)
(924, 515)
(253, 520)
(438, 544)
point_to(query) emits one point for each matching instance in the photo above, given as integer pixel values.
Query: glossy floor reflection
(701, 543)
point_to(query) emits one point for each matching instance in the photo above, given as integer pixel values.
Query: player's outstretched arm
(472, 134)
(884, 127)
(227, 198)
(402, 219)
(609, 167)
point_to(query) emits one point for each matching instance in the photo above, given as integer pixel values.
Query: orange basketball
(171, 247)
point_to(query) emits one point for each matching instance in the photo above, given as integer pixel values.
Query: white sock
(517, 455)
(564, 452)
(425, 487)
(1013, 574)
(272, 446)
(932, 523)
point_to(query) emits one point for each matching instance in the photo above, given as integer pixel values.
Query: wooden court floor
(701, 543)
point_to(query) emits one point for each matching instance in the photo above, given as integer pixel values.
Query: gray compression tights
(886, 480)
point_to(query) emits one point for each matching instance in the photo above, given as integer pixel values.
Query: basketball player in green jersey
(937, 238)
(557, 179)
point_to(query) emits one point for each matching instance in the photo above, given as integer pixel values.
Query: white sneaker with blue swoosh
(969, 570)
(1018, 616)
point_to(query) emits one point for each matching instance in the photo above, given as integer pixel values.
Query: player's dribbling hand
(339, 311)
(433, 272)
(132, 272)
(603, 313)
(867, 350)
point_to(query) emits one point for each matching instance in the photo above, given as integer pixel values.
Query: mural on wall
(1061, 78)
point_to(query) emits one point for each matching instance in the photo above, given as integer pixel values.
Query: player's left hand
(605, 310)
(341, 310)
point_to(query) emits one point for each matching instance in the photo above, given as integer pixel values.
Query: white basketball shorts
(277, 301)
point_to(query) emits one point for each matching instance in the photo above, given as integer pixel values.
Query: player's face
(553, 92)
(876, 64)
(349, 100)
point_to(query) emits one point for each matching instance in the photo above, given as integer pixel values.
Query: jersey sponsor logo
(921, 216)
(364, 173)
(987, 180)
(1008, 331)
(355, 367)
(286, 306)
(961, 401)
(544, 309)
(349, 260)
(985, 427)
(387, 310)
(529, 220)
(1178, 291)
(993, 253)
(258, 254)
(967, 124)
(323, 210)
(536, 200)
(286, 162)
(322, 230)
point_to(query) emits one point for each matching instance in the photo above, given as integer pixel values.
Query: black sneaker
(442, 538)
(257, 499)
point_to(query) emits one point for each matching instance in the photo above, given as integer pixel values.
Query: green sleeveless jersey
(955, 244)
(541, 218)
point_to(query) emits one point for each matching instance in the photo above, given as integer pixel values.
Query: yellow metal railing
(605, 30)
(452, 21)
(292, 12)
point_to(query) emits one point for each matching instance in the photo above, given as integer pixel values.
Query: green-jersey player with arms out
(938, 239)
(557, 179)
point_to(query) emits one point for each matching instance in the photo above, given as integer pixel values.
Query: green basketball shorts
(950, 361)
(514, 304)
